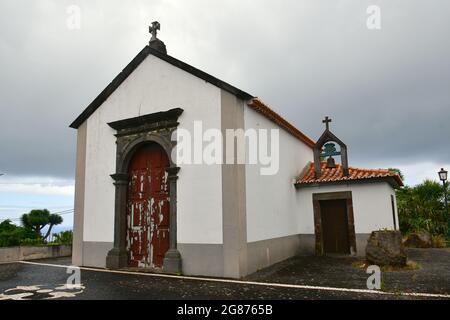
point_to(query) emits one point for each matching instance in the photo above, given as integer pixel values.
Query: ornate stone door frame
(346, 195)
(131, 135)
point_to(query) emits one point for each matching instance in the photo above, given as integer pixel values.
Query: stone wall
(33, 253)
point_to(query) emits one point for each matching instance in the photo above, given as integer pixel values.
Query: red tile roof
(331, 175)
(267, 112)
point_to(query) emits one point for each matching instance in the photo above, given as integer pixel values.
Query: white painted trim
(265, 284)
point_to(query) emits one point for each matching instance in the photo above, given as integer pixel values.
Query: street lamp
(443, 177)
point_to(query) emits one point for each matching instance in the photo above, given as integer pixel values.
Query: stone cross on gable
(153, 29)
(327, 122)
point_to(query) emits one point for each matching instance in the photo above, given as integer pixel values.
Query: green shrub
(11, 238)
(63, 238)
(32, 242)
(12, 235)
(422, 208)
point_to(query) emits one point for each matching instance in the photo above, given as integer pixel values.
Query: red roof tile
(267, 112)
(330, 175)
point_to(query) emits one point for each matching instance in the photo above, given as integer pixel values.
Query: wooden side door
(335, 226)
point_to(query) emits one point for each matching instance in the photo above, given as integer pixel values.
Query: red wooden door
(148, 206)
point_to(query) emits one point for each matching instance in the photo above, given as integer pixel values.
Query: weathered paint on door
(335, 226)
(148, 208)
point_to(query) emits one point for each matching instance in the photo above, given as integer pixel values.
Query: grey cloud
(387, 91)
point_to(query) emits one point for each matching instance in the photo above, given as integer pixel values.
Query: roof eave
(395, 182)
(257, 105)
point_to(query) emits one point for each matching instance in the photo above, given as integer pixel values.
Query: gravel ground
(41, 282)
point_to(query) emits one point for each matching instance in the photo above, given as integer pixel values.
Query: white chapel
(136, 206)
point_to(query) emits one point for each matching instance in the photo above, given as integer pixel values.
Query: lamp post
(443, 177)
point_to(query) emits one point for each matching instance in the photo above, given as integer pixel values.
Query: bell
(331, 163)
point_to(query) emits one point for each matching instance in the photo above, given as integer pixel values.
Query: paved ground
(432, 277)
(28, 281)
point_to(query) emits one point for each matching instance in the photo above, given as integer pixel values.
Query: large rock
(420, 239)
(385, 248)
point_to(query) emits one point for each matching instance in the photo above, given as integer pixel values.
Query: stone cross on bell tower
(327, 121)
(155, 43)
(153, 29)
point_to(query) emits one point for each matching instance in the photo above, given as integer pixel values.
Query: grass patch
(410, 266)
(439, 242)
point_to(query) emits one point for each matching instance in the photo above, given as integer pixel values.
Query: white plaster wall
(155, 86)
(372, 207)
(273, 205)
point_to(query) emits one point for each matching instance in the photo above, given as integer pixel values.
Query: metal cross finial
(153, 29)
(327, 122)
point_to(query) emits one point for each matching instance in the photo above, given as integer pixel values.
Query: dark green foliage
(64, 238)
(32, 242)
(397, 171)
(12, 235)
(7, 226)
(36, 220)
(422, 208)
(30, 232)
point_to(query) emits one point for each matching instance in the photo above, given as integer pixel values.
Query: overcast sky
(387, 90)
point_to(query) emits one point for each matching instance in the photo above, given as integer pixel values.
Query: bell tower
(325, 148)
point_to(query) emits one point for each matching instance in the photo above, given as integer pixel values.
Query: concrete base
(116, 259)
(33, 253)
(172, 262)
(361, 243)
(202, 259)
(94, 253)
(208, 259)
(264, 253)
(307, 244)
